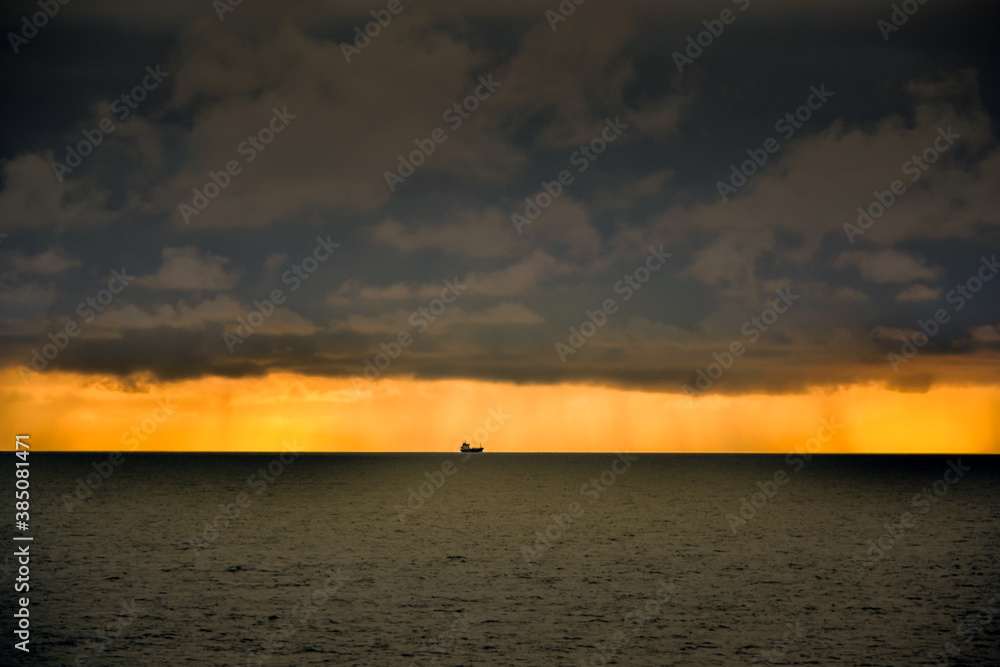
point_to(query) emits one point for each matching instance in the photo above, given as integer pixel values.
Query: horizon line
(724, 453)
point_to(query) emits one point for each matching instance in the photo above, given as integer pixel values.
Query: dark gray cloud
(260, 126)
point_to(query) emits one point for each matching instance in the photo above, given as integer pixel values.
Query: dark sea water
(511, 559)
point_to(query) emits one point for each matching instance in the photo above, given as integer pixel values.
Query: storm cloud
(269, 128)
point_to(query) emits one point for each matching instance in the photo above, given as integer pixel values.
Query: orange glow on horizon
(76, 412)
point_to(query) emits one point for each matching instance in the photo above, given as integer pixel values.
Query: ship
(470, 450)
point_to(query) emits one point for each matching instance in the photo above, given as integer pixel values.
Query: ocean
(508, 559)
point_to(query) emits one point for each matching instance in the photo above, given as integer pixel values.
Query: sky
(734, 226)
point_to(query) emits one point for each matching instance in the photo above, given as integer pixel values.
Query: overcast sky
(669, 129)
